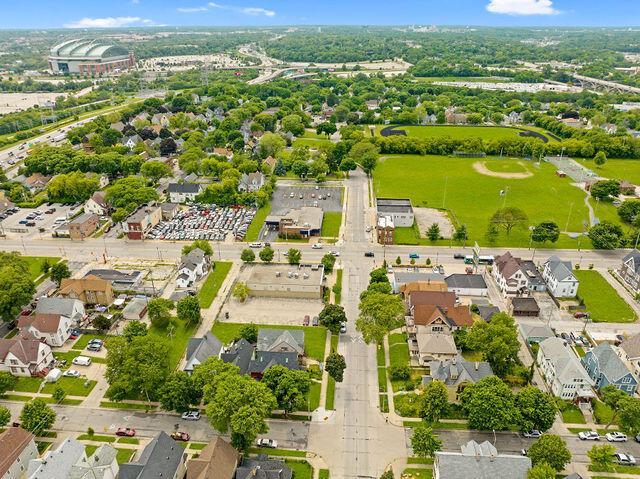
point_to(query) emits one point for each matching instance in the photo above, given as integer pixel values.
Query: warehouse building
(399, 210)
(286, 281)
(89, 57)
(303, 222)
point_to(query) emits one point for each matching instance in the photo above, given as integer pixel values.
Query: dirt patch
(425, 217)
(481, 168)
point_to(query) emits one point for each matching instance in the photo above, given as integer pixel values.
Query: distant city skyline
(140, 13)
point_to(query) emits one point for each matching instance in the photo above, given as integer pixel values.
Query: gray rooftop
(635, 255)
(201, 349)
(57, 463)
(240, 354)
(184, 188)
(160, 458)
(609, 363)
(559, 269)
(394, 205)
(481, 461)
(565, 363)
(631, 346)
(475, 281)
(285, 340)
(458, 370)
(536, 331)
(404, 277)
(62, 306)
(263, 468)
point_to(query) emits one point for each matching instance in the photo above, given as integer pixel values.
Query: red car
(126, 431)
(180, 436)
(305, 321)
(580, 314)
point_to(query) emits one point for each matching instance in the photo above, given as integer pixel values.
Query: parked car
(315, 321)
(264, 442)
(414, 255)
(589, 436)
(535, 434)
(524, 452)
(94, 347)
(317, 246)
(72, 373)
(458, 256)
(369, 254)
(625, 459)
(305, 320)
(255, 245)
(82, 361)
(335, 253)
(343, 329)
(180, 436)
(616, 437)
(126, 431)
(580, 314)
(191, 416)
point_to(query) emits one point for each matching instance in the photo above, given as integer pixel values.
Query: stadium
(89, 57)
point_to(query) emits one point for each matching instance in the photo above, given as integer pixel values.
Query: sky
(130, 13)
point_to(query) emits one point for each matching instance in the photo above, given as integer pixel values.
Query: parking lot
(329, 198)
(205, 222)
(29, 222)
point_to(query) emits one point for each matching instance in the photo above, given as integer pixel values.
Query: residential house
(239, 353)
(513, 118)
(467, 284)
(53, 329)
(17, 448)
(194, 265)
(161, 458)
(563, 371)
(131, 141)
(281, 340)
(89, 290)
(183, 192)
(161, 119)
(457, 373)
(24, 355)
(560, 280)
(629, 351)
(426, 345)
(70, 461)
(69, 307)
(270, 161)
(486, 312)
(609, 128)
(480, 461)
(97, 204)
(516, 276)
(83, 226)
(136, 308)
(227, 153)
(218, 460)
(605, 367)
(630, 270)
(201, 349)
(251, 182)
(138, 224)
(535, 333)
(125, 280)
(262, 467)
(429, 119)
(372, 104)
(528, 306)
(36, 182)
(453, 118)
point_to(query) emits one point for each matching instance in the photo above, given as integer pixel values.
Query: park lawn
(331, 224)
(484, 132)
(212, 284)
(572, 415)
(256, 224)
(301, 469)
(415, 473)
(603, 302)
(72, 386)
(177, 341)
(314, 336)
(36, 262)
(472, 198)
(616, 169)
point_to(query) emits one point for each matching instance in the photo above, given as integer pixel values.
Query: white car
(255, 245)
(589, 436)
(270, 443)
(72, 373)
(625, 459)
(335, 253)
(191, 415)
(317, 246)
(616, 437)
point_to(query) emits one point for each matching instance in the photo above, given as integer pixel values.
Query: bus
(481, 259)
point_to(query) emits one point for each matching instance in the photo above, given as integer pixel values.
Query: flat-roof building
(89, 57)
(399, 210)
(303, 222)
(286, 281)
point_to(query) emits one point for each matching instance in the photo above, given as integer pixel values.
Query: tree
(492, 233)
(629, 210)
(46, 266)
(36, 416)
(247, 255)
(178, 393)
(537, 409)
(292, 124)
(5, 416)
(387, 474)
(498, 341)
(366, 155)
(424, 442)
(204, 245)
(378, 275)
(129, 193)
(294, 256)
(249, 332)
(289, 386)
(58, 272)
(7, 382)
(629, 416)
(240, 291)
(491, 390)
(542, 471)
(101, 323)
(188, 310)
(545, 231)
(134, 329)
(332, 316)
(74, 186)
(433, 233)
(508, 218)
(328, 128)
(434, 401)
(550, 449)
(347, 165)
(266, 254)
(159, 313)
(605, 189)
(167, 147)
(398, 261)
(602, 456)
(606, 235)
(154, 170)
(328, 260)
(379, 313)
(239, 404)
(600, 158)
(461, 234)
(613, 397)
(58, 395)
(335, 365)
(271, 144)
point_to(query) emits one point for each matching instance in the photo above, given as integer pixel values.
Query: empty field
(616, 169)
(603, 302)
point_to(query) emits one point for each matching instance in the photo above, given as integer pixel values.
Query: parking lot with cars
(329, 198)
(28, 222)
(208, 222)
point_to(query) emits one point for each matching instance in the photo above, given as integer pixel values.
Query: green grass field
(72, 386)
(484, 132)
(472, 198)
(603, 302)
(36, 262)
(331, 224)
(256, 224)
(415, 473)
(301, 469)
(616, 169)
(311, 139)
(212, 284)
(314, 337)
(572, 415)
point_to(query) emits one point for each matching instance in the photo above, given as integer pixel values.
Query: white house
(515, 275)
(97, 204)
(192, 267)
(251, 182)
(562, 370)
(24, 355)
(70, 460)
(69, 307)
(183, 192)
(560, 280)
(18, 448)
(131, 141)
(53, 329)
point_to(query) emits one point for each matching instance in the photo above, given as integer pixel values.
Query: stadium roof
(86, 48)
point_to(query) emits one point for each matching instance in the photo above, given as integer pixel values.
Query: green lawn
(129, 440)
(177, 340)
(602, 412)
(616, 169)
(197, 446)
(419, 460)
(277, 452)
(472, 355)
(616, 469)
(36, 262)
(212, 284)
(72, 386)
(301, 469)
(382, 379)
(256, 224)
(124, 405)
(398, 350)
(324, 474)
(338, 297)
(124, 455)
(472, 198)
(415, 473)
(311, 139)
(84, 339)
(484, 132)
(96, 437)
(331, 224)
(572, 415)
(603, 303)
(331, 394)
(314, 336)
(28, 385)
(313, 398)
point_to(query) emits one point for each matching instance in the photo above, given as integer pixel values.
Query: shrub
(399, 373)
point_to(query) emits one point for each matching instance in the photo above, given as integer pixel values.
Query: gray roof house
(263, 468)
(630, 348)
(281, 340)
(71, 308)
(251, 182)
(559, 277)
(201, 349)
(181, 192)
(162, 457)
(467, 284)
(70, 461)
(562, 370)
(136, 308)
(535, 333)
(457, 371)
(605, 367)
(486, 312)
(480, 461)
(240, 353)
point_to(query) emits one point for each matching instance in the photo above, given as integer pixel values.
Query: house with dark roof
(486, 312)
(24, 355)
(281, 340)
(121, 280)
(630, 270)
(262, 467)
(251, 182)
(467, 284)
(17, 448)
(239, 353)
(53, 329)
(218, 460)
(161, 458)
(69, 307)
(527, 306)
(183, 192)
(201, 349)
(457, 373)
(559, 277)
(131, 141)
(605, 367)
(516, 276)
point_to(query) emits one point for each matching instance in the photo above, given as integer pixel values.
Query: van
(82, 361)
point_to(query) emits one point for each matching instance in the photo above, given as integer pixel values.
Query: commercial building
(286, 281)
(385, 230)
(467, 284)
(89, 57)
(398, 209)
(303, 222)
(140, 222)
(83, 226)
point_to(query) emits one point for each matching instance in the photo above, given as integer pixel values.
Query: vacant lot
(602, 301)
(212, 284)
(36, 262)
(472, 198)
(616, 169)
(331, 224)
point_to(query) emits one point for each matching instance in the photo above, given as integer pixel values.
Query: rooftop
(284, 274)
(475, 281)
(394, 205)
(83, 218)
(481, 461)
(160, 458)
(13, 441)
(87, 48)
